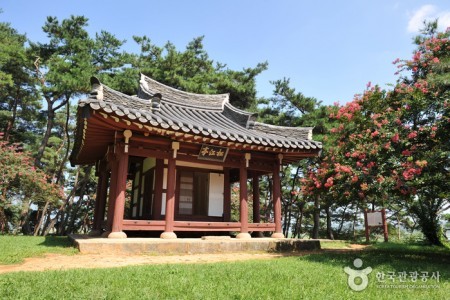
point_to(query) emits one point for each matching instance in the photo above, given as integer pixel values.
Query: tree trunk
(41, 219)
(62, 207)
(428, 219)
(48, 131)
(74, 211)
(67, 138)
(50, 121)
(3, 220)
(289, 204)
(286, 223)
(341, 224)
(25, 217)
(298, 221)
(315, 233)
(329, 228)
(12, 121)
(354, 224)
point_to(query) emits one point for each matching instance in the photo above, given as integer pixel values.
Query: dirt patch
(358, 246)
(89, 261)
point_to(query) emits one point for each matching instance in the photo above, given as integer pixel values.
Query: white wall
(215, 194)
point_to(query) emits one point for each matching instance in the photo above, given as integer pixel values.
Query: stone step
(156, 246)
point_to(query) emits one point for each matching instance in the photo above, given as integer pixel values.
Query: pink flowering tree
(392, 147)
(20, 180)
(424, 96)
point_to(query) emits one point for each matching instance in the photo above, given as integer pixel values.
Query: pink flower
(412, 135)
(329, 182)
(371, 165)
(406, 153)
(375, 133)
(395, 138)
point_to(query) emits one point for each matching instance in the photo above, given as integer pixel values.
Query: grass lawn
(13, 249)
(313, 276)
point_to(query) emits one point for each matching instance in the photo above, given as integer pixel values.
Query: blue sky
(329, 49)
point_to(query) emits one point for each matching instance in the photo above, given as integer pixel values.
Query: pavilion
(179, 152)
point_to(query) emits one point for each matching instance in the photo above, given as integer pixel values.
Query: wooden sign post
(375, 219)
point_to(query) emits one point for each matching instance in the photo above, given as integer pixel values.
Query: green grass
(313, 276)
(331, 244)
(14, 249)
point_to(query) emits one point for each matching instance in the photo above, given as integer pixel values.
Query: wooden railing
(159, 225)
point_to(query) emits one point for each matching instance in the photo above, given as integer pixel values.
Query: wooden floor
(157, 246)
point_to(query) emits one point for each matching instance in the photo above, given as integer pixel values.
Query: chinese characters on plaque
(213, 153)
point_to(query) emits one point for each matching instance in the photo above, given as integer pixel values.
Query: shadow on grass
(56, 242)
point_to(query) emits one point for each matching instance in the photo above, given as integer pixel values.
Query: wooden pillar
(385, 226)
(119, 202)
(366, 226)
(170, 197)
(157, 200)
(100, 201)
(113, 163)
(256, 204)
(226, 195)
(276, 197)
(243, 208)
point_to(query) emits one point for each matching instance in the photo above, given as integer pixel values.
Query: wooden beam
(148, 153)
(143, 225)
(146, 225)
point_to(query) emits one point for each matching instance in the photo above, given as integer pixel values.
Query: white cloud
(429, 13)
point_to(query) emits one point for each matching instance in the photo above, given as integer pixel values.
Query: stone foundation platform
(156, 246)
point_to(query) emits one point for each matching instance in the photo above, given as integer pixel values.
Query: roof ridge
(286, 131)
(198, 100)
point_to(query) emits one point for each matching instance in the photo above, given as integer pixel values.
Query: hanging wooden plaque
(213, 153)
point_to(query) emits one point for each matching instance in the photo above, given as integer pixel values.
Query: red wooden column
(100, 201)
(276, 197)
(119, 195)
(113, 164)
(170, 197)
(243, 211)
(256, 204)
(385, 226)
(226, 195)
(159, 180)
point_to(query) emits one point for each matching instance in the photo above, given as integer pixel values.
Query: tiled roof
(210, 116)
(206, 115)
